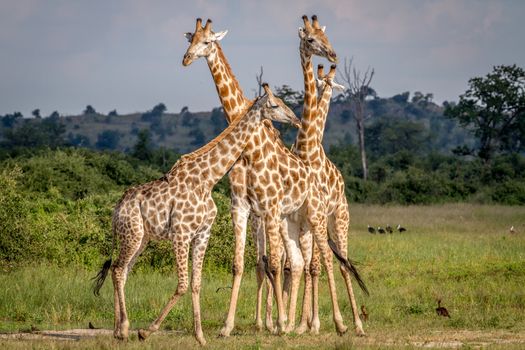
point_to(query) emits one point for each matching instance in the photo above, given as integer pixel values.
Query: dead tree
(260, 82)
(358, 88)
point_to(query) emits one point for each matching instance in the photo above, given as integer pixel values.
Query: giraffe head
(273, 108)
(314, 40)
(328, 79)
(201, 41)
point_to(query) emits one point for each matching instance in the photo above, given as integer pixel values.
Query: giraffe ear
(323, 28)
(219, 35)
(188, 36)
(302, 34)
(337, 86)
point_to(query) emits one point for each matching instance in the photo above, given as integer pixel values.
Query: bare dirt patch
(435, 339)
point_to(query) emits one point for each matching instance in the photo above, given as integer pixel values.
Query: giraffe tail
(98, 280)
(349, 265)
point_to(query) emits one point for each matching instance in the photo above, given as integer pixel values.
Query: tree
(493, 107)
(108, 139)
(89, 110)
(113, 113)
(36, 113)
(143, 149)
(293, 99)
(358, 89)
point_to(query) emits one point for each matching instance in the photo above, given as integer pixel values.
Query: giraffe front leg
(315, 271)
(272, 223)
(240, 218)
(291, 236)
(306, 243)
(181, 247)
(260, 246)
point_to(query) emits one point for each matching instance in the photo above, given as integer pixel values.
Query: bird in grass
(34, 329)
(441, 310)
(364, 314)
(401, 228)
(512, 230)
(371, 229)
(221, 288)
(381, 230)
(388, 229)
(90, 326)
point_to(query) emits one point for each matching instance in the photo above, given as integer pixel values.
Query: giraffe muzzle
(187, 59)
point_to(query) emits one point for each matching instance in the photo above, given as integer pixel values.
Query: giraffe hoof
(341, 330)
(225, 332)
(201, 340)
(143, 334)
(301, 329)
(360, 332)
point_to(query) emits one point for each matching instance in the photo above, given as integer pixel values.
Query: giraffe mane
(206, 148)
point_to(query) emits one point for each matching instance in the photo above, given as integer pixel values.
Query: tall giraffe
(269, 181)
(179, 207)
(309, 148)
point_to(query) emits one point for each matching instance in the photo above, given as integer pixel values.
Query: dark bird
(381, 230)
(442, 311)
(220, 288)
(388, 229)
(364, 313)
(34, 329)
(371, 229)
(90, 326)
(401, 228)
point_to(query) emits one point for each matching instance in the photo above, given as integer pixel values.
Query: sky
(127, 54)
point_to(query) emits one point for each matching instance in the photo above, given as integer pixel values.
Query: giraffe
(264, 159)
(309, 148)
(179, 208)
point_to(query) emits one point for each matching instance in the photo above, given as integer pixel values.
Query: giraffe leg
(128, 250)
(290, 237)
(306, 242)
(319, 230)
(181, 247)
(272, 223)
(338, 223)
(315, 271)
(198, 251)
(240, 218)
(269, 303)
(260, 245)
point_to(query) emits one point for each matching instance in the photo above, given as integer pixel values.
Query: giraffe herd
(295, 199)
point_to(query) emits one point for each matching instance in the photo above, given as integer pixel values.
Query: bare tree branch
(357, 90)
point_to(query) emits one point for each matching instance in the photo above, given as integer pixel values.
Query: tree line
(388, 149)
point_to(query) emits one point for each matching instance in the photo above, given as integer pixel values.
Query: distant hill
(186, 131)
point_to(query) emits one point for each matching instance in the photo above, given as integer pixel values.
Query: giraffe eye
(310, 40)
(207, 43)
(274, 106)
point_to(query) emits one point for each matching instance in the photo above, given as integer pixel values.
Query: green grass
(460, 253)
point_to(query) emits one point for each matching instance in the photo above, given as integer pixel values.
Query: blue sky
(126, 54)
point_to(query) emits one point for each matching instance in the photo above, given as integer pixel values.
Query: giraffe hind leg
(339, 223)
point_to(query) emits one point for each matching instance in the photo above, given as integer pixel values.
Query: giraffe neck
(211, 162)
(230, 93)
(307, 140)
(323, 105)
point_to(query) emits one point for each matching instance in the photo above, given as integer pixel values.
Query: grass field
(460, 253)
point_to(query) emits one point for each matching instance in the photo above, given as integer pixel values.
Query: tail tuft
(349, 265)
(98, 280)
